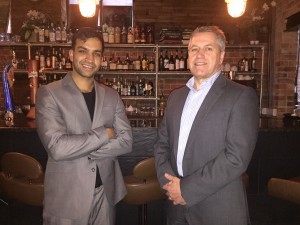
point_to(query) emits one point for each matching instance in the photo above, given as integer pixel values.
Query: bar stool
(143, 187)
(285, 189)
(22, 178)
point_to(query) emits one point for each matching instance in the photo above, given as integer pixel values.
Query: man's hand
(111, 133)
(173, 190)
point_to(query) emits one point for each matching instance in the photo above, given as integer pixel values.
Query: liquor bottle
(161, 66)
(143, 35)
(150, 38)
(111, 34)
(132, 89)
(151, 64)
(46, 33)
(126, 62)
(114, 84)
(171, 62)
(42, 34)
(37, 55)
(181, 62)
(252, 63)
(166, 61)
(64, 32)
(105, 32)
(63, 58)
(119, 65)
(52, 37)
(104, 65)
(125, 88)
(141, 87)
(58, 33)
(137, 38)
(150, 88)
(42, 58)
(48, 59)
(53, 59)
(137, 63)
(177, 61)
(124, 35)
(130, 37)
(117, 35)
(68, 64)
(112, 63)
(144, 62)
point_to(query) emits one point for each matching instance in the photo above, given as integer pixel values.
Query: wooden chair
(22, 178)
(143, 187)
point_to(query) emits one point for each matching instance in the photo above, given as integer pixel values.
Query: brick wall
(285, 55)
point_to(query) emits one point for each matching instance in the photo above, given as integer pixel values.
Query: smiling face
(205, 56)
(86, 57)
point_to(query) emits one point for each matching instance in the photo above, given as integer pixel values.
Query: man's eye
(194, 50)
(98, 54)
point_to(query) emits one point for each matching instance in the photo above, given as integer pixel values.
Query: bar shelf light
(236, 8)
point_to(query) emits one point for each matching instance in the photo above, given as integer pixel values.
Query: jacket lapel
(100, 92)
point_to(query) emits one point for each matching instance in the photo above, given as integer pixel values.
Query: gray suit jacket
(75, 145)
(218, 151)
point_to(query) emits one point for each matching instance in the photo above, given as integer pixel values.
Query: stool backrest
(18, 164)
(145, 169)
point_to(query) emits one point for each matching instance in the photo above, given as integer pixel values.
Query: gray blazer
(75, 145)
(218, 151)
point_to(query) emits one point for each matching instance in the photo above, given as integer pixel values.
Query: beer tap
(33, 84)
(8, 81)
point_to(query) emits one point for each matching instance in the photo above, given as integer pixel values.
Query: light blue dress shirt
(191, 107)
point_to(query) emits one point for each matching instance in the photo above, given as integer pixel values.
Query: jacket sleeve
(52, 130)
(123, 142)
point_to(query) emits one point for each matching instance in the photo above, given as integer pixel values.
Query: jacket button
(93, 170)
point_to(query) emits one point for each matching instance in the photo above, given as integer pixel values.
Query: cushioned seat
(143, 187)
(22, 178)
(285, 189)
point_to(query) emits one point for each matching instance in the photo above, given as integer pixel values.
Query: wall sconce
(87, 7)
(236, 8)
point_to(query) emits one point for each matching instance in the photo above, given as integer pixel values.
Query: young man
(83, 127)
(206, 140)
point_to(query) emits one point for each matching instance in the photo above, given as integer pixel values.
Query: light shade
(87, 7)
(236, 8)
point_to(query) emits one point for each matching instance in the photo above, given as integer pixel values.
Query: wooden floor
(263, 211)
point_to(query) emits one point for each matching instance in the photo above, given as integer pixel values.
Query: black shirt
(90, 98)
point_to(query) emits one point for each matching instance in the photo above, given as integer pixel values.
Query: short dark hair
(221, 39)
(86, 33)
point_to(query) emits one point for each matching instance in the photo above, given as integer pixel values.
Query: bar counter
(277, 152)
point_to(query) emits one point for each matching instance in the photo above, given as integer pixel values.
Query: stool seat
(142, 192)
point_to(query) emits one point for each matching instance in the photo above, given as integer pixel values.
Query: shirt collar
(208, 82)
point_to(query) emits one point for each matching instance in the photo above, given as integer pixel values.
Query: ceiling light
(236, 8)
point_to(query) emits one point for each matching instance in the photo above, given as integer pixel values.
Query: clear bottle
(181, 62)
(171, 62)
(52, 34)
(46, 33)
(177, 61)
(64, 32)
(58, 33)
(42, 34)
(124, 35)
(42, 58)
(144, 62)
(130, 37)
(166, 61)
(117, 35)
(151, 64)
(105, 32)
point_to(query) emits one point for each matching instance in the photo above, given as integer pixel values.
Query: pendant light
(236, 8)
(87, 7)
